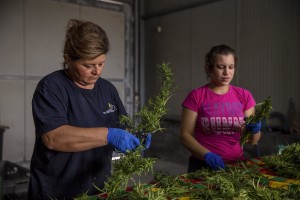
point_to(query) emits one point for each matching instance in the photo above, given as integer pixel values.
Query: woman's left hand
(253, 127)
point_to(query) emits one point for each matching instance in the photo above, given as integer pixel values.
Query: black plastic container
(13, 181)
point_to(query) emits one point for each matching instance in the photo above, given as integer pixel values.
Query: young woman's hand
(214, 161)
(253, 127)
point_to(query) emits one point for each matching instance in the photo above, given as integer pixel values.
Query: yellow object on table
(271, 179)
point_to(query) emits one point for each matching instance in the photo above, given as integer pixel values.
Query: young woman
(212, 114)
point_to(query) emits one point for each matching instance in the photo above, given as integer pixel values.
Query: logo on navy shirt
(111, 108)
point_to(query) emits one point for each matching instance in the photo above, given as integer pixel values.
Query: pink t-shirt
(218, 125)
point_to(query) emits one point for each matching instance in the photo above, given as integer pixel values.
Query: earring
(66, 66)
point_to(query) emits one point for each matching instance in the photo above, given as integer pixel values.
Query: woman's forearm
(73, 139)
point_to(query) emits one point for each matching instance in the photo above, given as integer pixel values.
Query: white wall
(31, 37)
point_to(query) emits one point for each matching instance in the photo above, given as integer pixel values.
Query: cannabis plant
(287, 163)
(147, 121)
(262, 110)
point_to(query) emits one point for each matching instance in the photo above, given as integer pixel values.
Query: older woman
(76, 115)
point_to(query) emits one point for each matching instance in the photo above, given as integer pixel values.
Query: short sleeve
(190, 102)
(48, 109)
(249, 100)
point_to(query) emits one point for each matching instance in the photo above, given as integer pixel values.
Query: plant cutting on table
(287, 163)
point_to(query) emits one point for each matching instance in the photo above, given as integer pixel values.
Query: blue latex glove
(214, 161)
(253, 127)
(122, 140)
(148, 141)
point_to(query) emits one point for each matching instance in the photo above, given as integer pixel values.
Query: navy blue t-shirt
(58, 101)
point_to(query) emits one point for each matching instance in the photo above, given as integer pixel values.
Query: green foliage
(237, 183)
(148, 120)
(85, 196)
(129, 164)
(262, 110)
(287, 163)
(242, 181)
(143, 193)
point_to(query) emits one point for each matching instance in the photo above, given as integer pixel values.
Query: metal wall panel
(12, 109)
(168, 39)
(12, 38)
(211, 26)
(45, 27)
(269, 47)
(162, 7)
(31, 47)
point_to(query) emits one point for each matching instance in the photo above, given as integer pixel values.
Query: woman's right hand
(122, 140)
(214, 161)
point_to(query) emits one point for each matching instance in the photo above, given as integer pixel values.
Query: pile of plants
(237, 182)
(287, 164)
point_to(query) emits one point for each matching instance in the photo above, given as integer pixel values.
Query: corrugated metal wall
(265, 34)
(269, 48)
